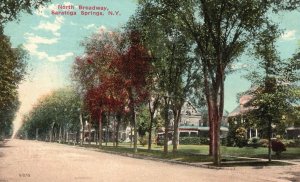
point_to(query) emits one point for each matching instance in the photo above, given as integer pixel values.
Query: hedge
(193, 141)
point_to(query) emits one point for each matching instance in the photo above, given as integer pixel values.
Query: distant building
(194, 123)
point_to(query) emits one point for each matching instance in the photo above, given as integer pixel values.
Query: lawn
(199, 153)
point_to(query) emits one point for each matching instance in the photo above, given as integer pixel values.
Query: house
(194, 123)
(239, 114)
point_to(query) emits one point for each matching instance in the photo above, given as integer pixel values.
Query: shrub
(143, 140)
(291, 143)
(278, 147)
(254, 142)
(193, 140)
(240, 134)
(223, 141)
(264, 142)
(204, 141)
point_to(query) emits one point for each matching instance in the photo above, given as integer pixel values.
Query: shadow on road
(295, 178)
(3, 144)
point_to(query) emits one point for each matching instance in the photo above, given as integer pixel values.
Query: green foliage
(12, 71)
(193, 141)
(9, 10)
(240, 135)
(291, 143)
(143, 140)
(59, 109)
(143, 120)
(254, 142)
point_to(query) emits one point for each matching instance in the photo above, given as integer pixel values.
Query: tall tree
(133, 68)
(274, 96)
(12, 71)
(173, 68)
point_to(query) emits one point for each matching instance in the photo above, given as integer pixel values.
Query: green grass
(199, 153)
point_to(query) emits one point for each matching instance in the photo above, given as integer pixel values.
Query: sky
(53, 42)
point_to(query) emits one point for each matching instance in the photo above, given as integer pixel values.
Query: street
(22, 160)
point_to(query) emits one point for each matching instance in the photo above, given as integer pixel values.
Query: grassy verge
(231, 156)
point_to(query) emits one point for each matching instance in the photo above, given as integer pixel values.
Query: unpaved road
(38, 161)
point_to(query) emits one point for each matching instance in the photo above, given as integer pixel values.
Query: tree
(12, 71)
(133, 68)
(93, 74)
(9, 10)
(7, 115)
(274, 95)
(172, 69)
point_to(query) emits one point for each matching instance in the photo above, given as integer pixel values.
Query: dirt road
(38, 161)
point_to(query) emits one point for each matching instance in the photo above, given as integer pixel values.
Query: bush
(291, 143)
(143, 140)
(223, 141)
(240, 135)
(278, 147)
(264, 142)
(193, 140)
(254, 142)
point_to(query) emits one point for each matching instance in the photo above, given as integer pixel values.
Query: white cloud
(31, 38)
(289, 35)
(90, 26)
(32, 46)
(61, 57)
(53, 27)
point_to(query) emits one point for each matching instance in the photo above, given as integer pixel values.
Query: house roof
(240, 110)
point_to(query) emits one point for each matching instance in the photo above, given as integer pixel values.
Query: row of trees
(53, 116)
(13, 62)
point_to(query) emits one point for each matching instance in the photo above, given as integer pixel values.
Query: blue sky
(53, 43)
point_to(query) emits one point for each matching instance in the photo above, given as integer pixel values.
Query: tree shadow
(295, 178)
(3, 144)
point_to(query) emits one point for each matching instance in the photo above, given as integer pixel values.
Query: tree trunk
(135, 132)
(117, 132)
(133, 115)
(152, 112)
(166, 137)
(100, 129)
(59, 135)
(175, 135)
(131, 138)
(107, 133)
(269, 138)
(82, 129)
(90, 132)
(114, 131)
(150, 132)
(167, 122)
